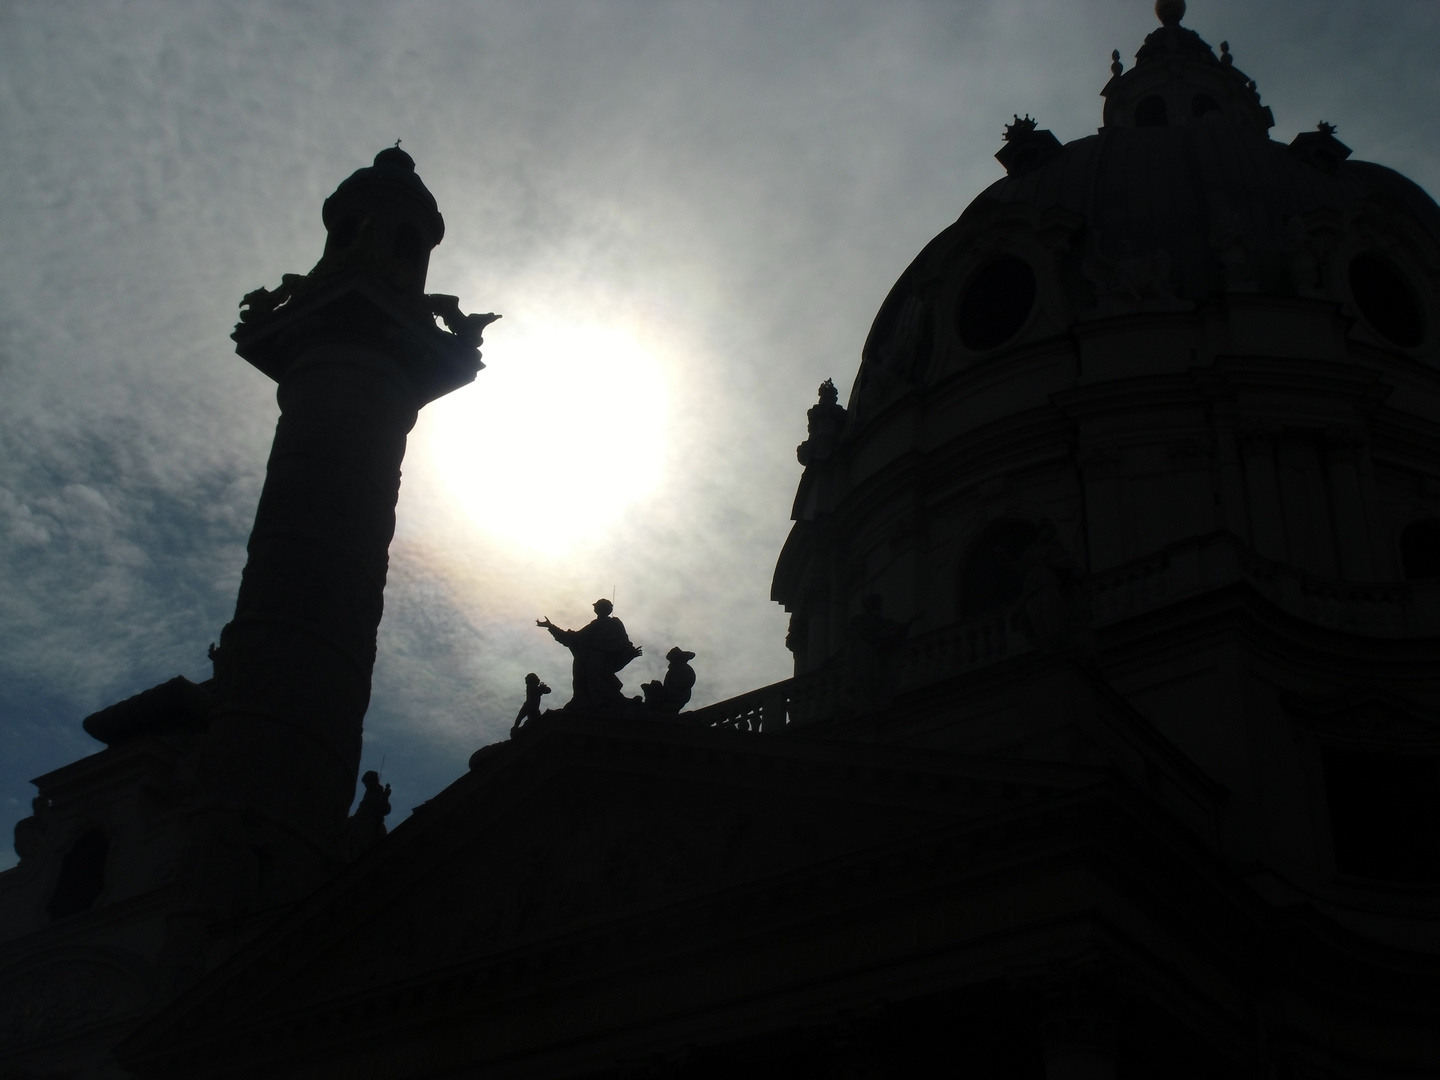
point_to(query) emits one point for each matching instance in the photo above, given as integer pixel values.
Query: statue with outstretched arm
(600, 649)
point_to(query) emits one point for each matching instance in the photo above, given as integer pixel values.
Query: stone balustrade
(823, 693)
(1218, 560)
(1204, 564)
(765, 709)
(959, 648)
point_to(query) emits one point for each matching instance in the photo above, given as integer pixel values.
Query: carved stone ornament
(1229, 241)
(1128, 279)
(1026, 148)
(468, 328)
(262, 303)
(1055, 610)
(1076, 1005)
(1377, 719)
(63, 997)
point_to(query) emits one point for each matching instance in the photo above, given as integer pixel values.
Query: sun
(560, 434)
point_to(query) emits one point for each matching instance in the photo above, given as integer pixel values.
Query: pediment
(591, 824)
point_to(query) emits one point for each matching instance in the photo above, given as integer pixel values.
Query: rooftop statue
(826, 420)
(534, 691)
(672, 695)
(600, 648)
(367, 824)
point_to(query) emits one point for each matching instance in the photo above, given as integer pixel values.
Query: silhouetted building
(1113, 748)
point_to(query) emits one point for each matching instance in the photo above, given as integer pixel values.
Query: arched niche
(82, 875)
(990, 577)
(1420, 548)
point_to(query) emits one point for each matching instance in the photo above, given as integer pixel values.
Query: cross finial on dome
(1170, 12)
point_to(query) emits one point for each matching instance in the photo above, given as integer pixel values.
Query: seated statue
(600, 648)
(673, 694)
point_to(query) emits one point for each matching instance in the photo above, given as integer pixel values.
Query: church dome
(1179, 198)
(1172, 329)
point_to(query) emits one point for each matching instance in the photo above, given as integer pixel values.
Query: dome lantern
(1178, 80)
(1170, 12)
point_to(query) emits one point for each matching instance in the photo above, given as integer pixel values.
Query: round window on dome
(1386, 299)
(995, 303)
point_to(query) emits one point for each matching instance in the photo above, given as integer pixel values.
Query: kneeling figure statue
(673, 694)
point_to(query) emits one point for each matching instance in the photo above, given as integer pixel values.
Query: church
(1112, 748)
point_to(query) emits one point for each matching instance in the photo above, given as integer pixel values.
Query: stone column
(1100, 482)
(1262, 489)
(838, 607)
(848, 1040)
(1077, 1020)
(298, 655)
(1193, 504)
(1233, 512)
(355, 351)
(1347, 504)
(1382, 546)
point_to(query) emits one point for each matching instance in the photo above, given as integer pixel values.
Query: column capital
(1075, 998)
(1097, 456)
(1345, 438)
(1257, 437)
(277, 327)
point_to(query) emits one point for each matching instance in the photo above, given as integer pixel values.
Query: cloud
(740, 181)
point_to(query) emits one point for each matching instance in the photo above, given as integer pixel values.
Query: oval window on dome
(1386, 299)
(996, 303)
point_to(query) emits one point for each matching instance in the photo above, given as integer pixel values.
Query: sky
(688, 214)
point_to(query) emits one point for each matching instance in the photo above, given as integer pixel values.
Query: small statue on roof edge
(367, 824)
(534, 691)
(673, 694)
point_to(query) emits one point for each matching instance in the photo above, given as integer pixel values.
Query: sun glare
(560, 433)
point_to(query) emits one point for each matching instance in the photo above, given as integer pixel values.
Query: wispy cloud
(743, 181)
